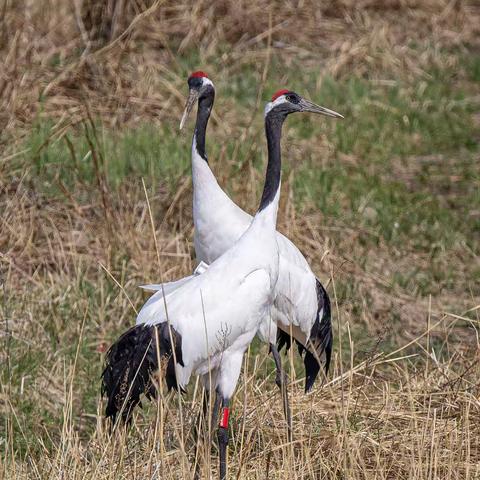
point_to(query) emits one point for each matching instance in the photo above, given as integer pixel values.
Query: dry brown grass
(132, 69)
(402, 410)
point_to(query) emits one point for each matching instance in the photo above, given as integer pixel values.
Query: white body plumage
(219, 312)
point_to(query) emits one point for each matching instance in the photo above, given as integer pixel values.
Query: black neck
(205, 104)
(273, 131)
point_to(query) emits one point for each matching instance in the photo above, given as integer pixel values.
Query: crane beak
(308, 106)
(191, 100)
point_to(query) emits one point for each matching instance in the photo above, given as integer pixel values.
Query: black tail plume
(321, 339)
(130, 363)
(320, 342)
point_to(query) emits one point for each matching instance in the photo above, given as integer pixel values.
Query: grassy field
(385, 205)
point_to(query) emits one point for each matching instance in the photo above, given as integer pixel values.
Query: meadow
(95, 199)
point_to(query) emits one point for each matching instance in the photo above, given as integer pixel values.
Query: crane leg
(227, 381)
(281, 381)
(222, 436)
(203, 420)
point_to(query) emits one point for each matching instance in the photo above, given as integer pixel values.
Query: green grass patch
(157, 154)
(412, 178)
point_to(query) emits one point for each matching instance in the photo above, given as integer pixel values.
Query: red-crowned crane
(204, 326)
(301, 307)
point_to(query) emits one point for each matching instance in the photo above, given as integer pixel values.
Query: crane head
(198, 85)
(286, 101)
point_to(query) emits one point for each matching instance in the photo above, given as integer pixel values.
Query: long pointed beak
(308, 106)
(191, 100)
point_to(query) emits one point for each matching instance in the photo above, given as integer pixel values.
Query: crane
(301, 307)
(204, 326)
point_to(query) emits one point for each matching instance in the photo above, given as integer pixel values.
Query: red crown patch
(279, 93)
(198, 74)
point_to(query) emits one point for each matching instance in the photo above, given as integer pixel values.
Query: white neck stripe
(270, 105)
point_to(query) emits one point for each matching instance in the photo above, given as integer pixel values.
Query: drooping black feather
(320, 342)
(283, 339)
(321, 339)
(325, 333)
(130, 363)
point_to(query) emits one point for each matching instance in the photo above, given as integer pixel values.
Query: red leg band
(224, 417)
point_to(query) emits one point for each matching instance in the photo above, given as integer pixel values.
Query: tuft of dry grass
(402, 401)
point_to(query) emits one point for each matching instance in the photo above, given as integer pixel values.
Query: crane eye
(292, 98)
(195, 82)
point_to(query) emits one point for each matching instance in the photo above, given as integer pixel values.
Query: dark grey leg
(222, 435)
(216, 408)
(203, 418)
(281, 381)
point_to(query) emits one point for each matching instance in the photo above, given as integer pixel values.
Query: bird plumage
(130, 363)
(213, 316)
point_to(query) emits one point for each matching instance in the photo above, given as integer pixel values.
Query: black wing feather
(321, 339)
(130, 363)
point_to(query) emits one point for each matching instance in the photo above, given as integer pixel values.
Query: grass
(385, 205)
